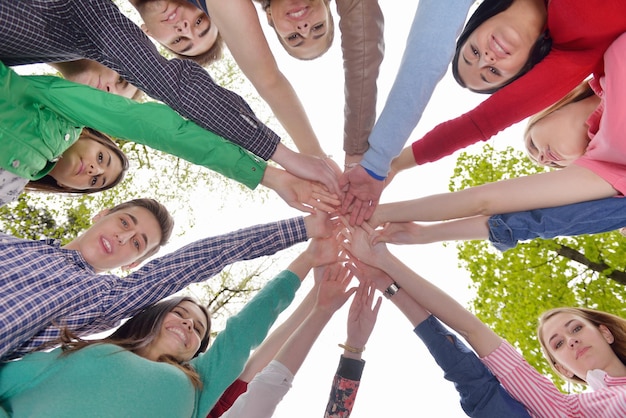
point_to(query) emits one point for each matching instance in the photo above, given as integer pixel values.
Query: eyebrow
(565, 326)
(104, 179)
(200, 35)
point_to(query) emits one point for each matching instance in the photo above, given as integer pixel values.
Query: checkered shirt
(43, 286)
(62, 30)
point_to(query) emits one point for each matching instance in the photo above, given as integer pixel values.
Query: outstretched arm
(561, 187)
(239, 25)
(429, 297)
(464, 229)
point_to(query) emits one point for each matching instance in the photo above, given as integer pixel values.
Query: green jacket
(42, 116)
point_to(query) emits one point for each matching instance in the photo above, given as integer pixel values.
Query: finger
(302, 207)
(379, 301)
(320, 205)
(370, 209)
(367, 228)
(356, 210)
(348, 200)
(326, 197)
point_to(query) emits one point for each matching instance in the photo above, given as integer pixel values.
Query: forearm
(273, 343)
(429, 49)
(362, 45)
(297, 347)
(345, 388)
(440, 304)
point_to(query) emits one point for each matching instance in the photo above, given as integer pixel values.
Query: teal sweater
(107, 381)
(42, 117)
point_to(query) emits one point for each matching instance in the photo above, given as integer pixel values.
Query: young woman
(44, 115)
(582, 344)
(592, 154)
(92, 164)
(158, 351)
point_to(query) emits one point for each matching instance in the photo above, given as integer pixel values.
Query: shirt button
(15, 163)
(67, 137)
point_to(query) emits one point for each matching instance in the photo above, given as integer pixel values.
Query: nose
(489, 58)
(182, 27)
(573, 341)
(303, 26)
(94, 169)
(124, 236)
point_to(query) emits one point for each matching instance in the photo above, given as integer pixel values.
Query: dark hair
(211, 55)
(140, 330)
(486, 10)
(160, 212)
(265, 4)
(48, 184)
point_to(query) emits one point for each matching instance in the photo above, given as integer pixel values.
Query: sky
(400, 378)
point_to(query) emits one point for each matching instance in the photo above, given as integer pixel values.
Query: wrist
(374, 175)
(391, 290)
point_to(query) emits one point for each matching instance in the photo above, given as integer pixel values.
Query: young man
(62, 30)
(44, 286)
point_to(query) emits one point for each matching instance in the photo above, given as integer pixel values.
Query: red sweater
(581, 31)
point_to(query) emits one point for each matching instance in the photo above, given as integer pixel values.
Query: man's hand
(362, 193)
(300, 194)
(308, 167)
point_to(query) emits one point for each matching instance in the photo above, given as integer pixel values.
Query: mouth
(553, 156)
(106, 245)
(169, 17)
(180, 334)
(498, 48)
(298, 13)
(581, 352)
(81, 168)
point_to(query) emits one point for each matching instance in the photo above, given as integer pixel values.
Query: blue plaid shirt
(62, 30)
(43, 286)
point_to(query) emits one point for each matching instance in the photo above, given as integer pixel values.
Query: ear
(565, 372)
(100, 215)
(145, 29)
(607, 334)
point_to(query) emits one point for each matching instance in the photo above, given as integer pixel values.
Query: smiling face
(179, 26)
(118, 239)
(304, 27)
(576, 345)
(180, 335)
(561, 137)
(87, 165)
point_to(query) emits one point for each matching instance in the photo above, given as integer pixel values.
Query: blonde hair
(614, 323)
(580, 92)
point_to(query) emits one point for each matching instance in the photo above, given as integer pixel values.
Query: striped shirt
(62, 30)
(543, 399)
(43, 286)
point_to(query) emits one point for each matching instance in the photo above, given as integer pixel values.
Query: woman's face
(181, 333)
(561, 137)
(577, 345)
(302, 25)
(495, 52)
(87, 165)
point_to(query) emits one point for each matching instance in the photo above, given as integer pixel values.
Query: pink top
(606, 153)
(542, 399)
(581, 31)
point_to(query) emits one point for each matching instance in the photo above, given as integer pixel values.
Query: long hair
(140, 330)
(486, 10)
(615, 324)
(49, 184)
(578, 93)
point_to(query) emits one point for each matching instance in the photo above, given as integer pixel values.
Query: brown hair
(139, 331)
(578, 93)
(615, 324)
(211, 55)
(50, 185)
(161, 214)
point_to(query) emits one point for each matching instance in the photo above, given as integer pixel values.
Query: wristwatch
(391, 290)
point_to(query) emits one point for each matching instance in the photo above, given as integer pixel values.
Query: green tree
(513, 288)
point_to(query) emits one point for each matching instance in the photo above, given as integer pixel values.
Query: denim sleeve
(481, 394)
(592, 217)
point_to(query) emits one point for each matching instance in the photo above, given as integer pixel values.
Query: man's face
(179, 26)
(118, 239)
(98, 76)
